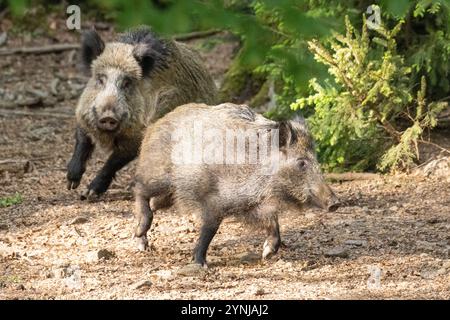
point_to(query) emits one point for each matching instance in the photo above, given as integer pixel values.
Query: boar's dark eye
(301, 163)
(126, 83)
(100, 80)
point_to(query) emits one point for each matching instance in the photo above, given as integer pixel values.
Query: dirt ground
(391, 238)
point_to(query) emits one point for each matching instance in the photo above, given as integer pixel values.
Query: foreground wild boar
(134, 81)
(210, 169)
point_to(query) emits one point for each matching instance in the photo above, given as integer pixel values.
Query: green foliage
(426, 46)
(17, 6)
(356, 116)
(10, 201)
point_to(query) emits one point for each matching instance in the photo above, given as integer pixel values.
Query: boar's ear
(146, 57)
(91, 47)
(301, 132)
(287, 135)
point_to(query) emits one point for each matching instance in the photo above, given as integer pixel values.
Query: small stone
(79, 220)
(56, 273)
(259, 292)
(433, 221)
(446, 264)
(441, 271)
(162, 274)
(393, 243)
(365, 210)
(20, 287)
(54, 86)
(191, 270)
(249, 258)
(393, 208)
(357, 243)
(143, 284)
(339, 252)
(105, 254)
(308, 265)
(428, 274)
(3, 226)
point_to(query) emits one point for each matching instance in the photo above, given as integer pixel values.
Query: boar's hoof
(268, 251)
(73, 184)
(142, 243)
(90, 195)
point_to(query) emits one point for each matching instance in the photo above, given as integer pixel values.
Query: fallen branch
(9, 161)
(7, 112)
(75, 46)
(434, 145)
(351, 176)
(40, 50)
(20, 165)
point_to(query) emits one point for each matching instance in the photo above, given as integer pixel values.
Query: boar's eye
(301, 163)
(126, 83)
(100, 79)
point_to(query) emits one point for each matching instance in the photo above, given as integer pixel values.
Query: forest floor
(390, 239)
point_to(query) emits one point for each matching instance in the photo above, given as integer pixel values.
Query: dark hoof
(90, 195)
(142, 243)
(73, 184)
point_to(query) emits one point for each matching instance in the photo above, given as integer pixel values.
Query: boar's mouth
(330, 205)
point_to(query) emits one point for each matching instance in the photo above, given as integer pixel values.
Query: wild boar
(134, 81)
(215, 174)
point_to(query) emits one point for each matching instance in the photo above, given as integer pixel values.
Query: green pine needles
(367, 116)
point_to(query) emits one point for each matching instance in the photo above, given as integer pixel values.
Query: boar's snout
(325, 198)
(108, 123)
(334, 205)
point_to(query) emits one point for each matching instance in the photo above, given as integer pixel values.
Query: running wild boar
(200, 158)
(134, 81)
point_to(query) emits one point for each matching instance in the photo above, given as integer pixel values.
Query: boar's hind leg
(81, 154)
(143, 213)
(144, 216)
(273, 240)
(117, 160)
(207, 233)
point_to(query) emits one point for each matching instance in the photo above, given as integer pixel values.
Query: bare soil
(391, 239)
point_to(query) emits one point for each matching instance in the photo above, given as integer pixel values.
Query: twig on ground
(8, 161)
(435, 145)
(51, 48)
(8, 112)
(40, 50)
(351, 176)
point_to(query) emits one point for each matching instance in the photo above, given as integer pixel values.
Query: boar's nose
(108, 123)
(333, 206)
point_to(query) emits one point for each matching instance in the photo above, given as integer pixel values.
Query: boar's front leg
(81, 154)
(208, 230)
(116, 161)
(267, 214)
(273, 240)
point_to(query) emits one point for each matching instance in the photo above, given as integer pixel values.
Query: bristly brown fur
(134, 81)
(214, 191)
(179, 79)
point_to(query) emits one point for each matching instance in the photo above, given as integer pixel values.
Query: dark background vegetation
(274, 67)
